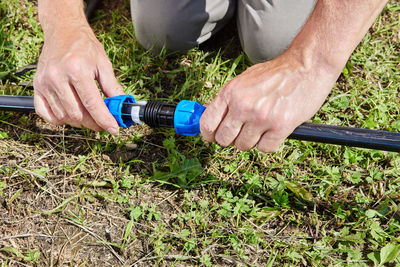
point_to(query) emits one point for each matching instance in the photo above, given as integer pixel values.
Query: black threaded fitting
(158, 114)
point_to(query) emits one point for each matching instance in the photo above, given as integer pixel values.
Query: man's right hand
(71, 62)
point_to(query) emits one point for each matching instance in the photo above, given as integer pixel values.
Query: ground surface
(75, 197)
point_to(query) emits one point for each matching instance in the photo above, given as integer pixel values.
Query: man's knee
(178, 25)
(261, 47)
(267, 28)
(160, 23)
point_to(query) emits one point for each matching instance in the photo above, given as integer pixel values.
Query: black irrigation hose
(17, 103)
(347, 136)
(91, 7)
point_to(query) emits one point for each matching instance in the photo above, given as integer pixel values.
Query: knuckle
(221, 140)
(263, 116)
(281, 130)
(242, 146)
(61, 116)
(76, 116)
(51, 75)
(206, 129)
(245, 108)
(279, 125)
(73, 67)
(226, 93)
(264, 149)
(268, 147)
(106, 63)
(90, 103)
(38, 82)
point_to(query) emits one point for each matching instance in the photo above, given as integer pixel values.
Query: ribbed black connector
(158, 114)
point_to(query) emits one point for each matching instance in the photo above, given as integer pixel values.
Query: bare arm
(333, 31)
(264, 104)
(71, 62)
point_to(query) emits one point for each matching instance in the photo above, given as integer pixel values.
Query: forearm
(333, 31)
(61, 15)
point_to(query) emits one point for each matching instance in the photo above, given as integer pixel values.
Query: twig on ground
(24, 235)
(100, 239)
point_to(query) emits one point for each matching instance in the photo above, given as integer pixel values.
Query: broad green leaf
(372, 213)
(3, 135)
(374, 257)
(184, 233)
(377, 232)
(298, 190)
(267, 214)
(389, 252)
(185, 174)
(136, 212)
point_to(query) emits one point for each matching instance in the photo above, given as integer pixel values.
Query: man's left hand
(263, 105)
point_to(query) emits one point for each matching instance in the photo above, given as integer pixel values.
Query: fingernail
(113, 130)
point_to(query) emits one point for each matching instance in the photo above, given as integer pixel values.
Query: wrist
(61, 16)
(313, 60)
(67, 32)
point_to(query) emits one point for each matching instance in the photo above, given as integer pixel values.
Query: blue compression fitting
(114, 105)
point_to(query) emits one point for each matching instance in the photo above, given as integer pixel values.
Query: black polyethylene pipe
(338, 135)
(17, 103)
(348, 136)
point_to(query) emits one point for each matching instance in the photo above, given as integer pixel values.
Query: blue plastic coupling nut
(187, 117)
(114, 105)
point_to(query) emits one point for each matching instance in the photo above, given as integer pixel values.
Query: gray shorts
(266, 27)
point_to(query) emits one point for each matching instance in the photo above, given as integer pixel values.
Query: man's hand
(71, 62)
(264, 104)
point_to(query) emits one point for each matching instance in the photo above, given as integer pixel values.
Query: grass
(76, 197)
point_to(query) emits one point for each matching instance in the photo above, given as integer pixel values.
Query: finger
(228, 129)
(249, 136)
(70, 101)
(79, 116)
(56, 105)
(271, 141)
(43, 109)
(212, 117)
(92, 101)
(108, 82)
(89, 122)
